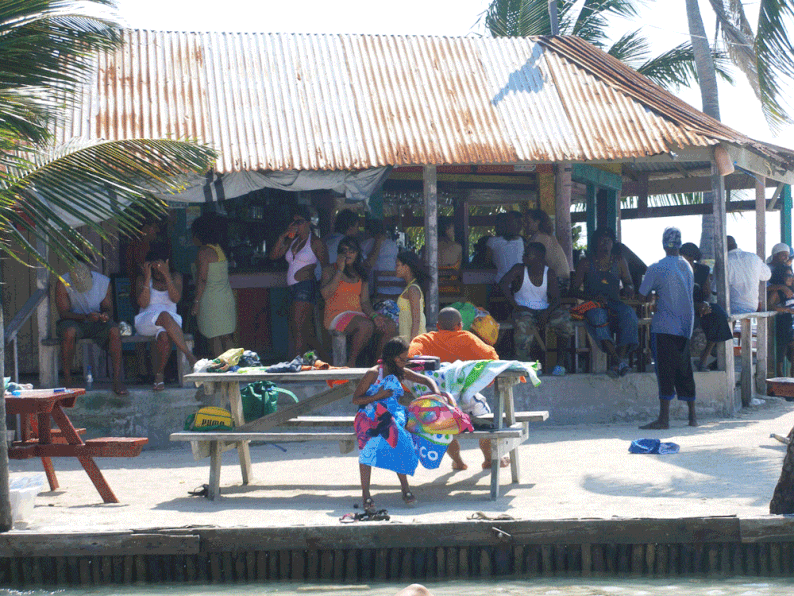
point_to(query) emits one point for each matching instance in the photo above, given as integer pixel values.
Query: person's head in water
(449, 319)
(395, 356)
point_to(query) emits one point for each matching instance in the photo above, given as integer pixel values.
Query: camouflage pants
(526, 324)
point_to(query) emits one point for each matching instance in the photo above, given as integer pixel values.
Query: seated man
(451, 343)
(531, 287)
(85, 308)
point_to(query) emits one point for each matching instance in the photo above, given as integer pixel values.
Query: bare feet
(503, 463)
(459, 465)
(656, 425)
(693, 422)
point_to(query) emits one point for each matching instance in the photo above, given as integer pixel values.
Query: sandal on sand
(159, 385)
(409, 498)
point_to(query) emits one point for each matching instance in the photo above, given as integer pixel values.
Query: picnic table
(39, 439)
(505, 437)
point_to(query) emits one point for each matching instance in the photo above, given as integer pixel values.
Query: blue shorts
(304, 291)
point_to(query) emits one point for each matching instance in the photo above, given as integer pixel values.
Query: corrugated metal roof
(339, 102)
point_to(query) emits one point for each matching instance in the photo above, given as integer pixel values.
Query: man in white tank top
(531, 288)
(85, 308)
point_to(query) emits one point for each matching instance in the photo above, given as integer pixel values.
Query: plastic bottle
(89, 379)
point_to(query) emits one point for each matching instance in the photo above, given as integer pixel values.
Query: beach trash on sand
(652, 446)
(23, 489)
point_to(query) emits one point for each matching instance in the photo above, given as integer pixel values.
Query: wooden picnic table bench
(507, 435)
(38, 439)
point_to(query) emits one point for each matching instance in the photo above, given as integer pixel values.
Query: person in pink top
(302, 250)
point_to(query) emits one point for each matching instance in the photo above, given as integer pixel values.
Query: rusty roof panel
(338, 102)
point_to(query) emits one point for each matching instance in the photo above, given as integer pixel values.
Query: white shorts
(146, 322)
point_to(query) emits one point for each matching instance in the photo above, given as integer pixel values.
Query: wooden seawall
(714, 546)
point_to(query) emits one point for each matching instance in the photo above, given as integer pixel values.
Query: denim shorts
(304, 291)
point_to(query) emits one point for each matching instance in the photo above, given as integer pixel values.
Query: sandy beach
(725, 467)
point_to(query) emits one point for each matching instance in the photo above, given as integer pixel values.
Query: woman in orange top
(347, 307)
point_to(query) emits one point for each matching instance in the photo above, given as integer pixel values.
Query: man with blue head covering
(671, 327)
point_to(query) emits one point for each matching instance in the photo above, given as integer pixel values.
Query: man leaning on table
(85, 307)
(448, 344)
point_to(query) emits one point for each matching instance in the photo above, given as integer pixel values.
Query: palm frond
(47, 49)
(518, 18)
(632, 48)
(676, 68)
(775, 59)
(88, 184)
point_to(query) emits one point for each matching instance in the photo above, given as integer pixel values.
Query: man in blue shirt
(671, 327)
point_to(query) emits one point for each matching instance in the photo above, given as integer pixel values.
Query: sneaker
(623, 369)
(558, 371)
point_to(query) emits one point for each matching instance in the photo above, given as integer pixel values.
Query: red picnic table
(39, 439)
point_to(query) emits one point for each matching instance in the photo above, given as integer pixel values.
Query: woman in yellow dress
(411, 302)
(215, 306)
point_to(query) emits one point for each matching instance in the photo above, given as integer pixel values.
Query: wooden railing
(19, 319)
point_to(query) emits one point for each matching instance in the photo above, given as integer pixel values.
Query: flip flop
(409, 499)
(158, 386)
(201, 491)
(126, 392)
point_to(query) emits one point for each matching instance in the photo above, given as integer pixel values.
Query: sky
(663, 22)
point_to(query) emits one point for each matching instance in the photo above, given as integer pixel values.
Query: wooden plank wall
(718, 547)
(19, 283)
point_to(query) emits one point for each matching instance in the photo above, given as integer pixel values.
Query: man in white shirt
(745, 271)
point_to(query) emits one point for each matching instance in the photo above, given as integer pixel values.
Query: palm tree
(590, 20)
(765, 57)
(47, 49)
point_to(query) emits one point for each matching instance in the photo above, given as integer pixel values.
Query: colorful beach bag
(431, 414)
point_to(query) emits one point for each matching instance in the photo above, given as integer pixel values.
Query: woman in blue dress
(383, 441)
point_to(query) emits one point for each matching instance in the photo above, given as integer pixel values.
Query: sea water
(528, 587)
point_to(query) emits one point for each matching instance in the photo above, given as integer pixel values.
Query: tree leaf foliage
(48, 51)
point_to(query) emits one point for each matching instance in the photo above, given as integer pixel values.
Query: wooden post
(5, 495)
(760, 249)
(563, 210)
(724, 349)
(431, 243)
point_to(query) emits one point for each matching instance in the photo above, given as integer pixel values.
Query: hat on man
(780, 247)
(672, 238)
(81, 279)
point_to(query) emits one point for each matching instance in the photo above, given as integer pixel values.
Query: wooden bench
(219, 441)
(93, 356)
(101, 447)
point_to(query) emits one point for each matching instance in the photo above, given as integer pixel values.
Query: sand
(724, 467)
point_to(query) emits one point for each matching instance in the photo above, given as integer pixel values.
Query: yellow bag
(210, 418)
(226, 360)
(486, 328)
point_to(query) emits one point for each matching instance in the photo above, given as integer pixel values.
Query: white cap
(780, 247)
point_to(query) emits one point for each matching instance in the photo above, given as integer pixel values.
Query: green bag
(468, 312)
(260, 398)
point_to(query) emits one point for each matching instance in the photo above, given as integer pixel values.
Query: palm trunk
(707, 79)
(5, 496)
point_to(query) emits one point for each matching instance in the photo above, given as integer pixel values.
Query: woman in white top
(505, 250)
(159, 291)
(303, 251)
